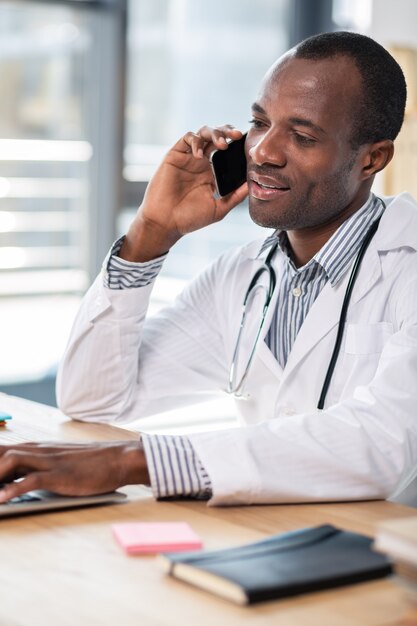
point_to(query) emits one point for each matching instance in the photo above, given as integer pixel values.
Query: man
(323, 125)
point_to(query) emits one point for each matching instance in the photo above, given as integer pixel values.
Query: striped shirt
(173, 466)
(299, 287)
(121, 274)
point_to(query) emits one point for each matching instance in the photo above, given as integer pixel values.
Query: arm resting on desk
(360, 448)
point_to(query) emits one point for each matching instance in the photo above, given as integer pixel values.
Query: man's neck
(303, 248)
(305, 243)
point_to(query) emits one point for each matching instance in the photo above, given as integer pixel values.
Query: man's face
(302, 171)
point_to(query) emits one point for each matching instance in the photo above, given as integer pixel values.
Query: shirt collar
(337, 253)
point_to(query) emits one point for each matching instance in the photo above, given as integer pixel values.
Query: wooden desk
(64, 569)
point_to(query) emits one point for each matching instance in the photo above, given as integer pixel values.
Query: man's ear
(376, 157)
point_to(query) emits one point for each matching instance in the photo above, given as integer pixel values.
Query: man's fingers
(191, 142)
(20, 462)
(29, 483)
(35, 445)
(207, 139)
(47, 447)
(220, 133)
(227, 203)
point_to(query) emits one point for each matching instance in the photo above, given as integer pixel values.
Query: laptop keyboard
(26, 497)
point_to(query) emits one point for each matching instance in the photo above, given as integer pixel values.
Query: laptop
(40, 501)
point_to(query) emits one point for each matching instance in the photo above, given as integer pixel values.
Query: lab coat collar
(398, 227)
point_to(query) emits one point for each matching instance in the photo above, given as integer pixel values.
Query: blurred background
(91, 95)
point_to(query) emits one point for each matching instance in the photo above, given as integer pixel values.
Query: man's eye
(256, 123)
(304, 140)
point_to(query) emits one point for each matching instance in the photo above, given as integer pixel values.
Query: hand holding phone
(179, 198)
(229, 167)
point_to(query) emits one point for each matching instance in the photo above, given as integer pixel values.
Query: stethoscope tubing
(343, 313)
(266, 267)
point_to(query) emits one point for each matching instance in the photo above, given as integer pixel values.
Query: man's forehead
(315, 80)
(331, 66)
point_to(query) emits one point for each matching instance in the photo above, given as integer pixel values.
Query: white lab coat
(363, 445)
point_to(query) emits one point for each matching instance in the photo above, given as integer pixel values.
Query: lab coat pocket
(359, 358)
(367, 338)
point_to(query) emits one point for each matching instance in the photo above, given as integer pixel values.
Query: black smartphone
(229, 167)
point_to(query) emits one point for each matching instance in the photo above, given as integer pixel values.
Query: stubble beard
(309, 209)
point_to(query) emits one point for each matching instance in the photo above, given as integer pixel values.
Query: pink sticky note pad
(153, 537)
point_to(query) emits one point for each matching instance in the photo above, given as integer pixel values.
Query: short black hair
(380, 113)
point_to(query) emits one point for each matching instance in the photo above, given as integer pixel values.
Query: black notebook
(282, 565)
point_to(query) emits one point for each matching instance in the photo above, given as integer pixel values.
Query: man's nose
(268, 148)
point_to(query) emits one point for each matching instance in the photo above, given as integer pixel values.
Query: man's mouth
(266, 188)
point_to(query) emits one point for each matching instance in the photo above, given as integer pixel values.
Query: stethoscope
(236, 387)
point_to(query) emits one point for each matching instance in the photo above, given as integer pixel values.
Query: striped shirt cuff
(121, 274)
(174, 468)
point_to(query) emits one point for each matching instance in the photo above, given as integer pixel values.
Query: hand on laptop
(71, 469)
